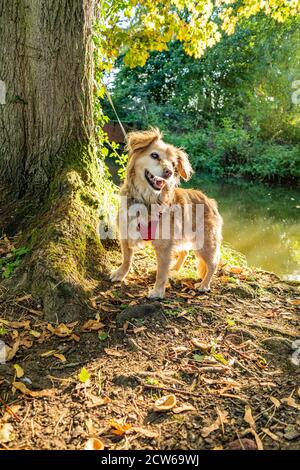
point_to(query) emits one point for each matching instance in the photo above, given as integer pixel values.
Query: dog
(153, 174)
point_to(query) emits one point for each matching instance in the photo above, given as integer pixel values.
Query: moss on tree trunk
(52, 185)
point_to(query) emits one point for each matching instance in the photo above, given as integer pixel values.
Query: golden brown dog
(153, 174)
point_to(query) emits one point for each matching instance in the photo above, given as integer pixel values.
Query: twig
(8, 408)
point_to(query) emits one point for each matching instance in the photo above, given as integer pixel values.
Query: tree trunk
(51, 184)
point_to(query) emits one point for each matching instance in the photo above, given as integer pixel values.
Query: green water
(262, 222)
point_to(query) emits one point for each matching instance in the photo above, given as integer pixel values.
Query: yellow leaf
(275, 402)
(19, 371)
(61, 330)
(61, 357)
(119, 428)
(34, 333)
(48, 353)
(92, 325)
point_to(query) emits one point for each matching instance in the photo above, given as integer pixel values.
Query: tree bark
(49, 173)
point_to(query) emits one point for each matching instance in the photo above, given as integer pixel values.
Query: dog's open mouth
(155, 182)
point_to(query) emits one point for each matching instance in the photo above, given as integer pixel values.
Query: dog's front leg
(127, 253)
(163, 255)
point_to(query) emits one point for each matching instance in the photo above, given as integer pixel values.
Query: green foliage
(232, 108)
(12, 261)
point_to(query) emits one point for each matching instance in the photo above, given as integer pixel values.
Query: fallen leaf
(24, 297)
(183, 408)
(6, 433)
(97, 401)
(220, 421)
(59, 356)
(34, 333)
(84, 375)
(275, 402)
(200, 345)
(35, 394)
(165, 403)
(11, 352)
(113, 352)
(20, 324)
(290, 401)
(119, 429)
(94, 444)
(92, 325)
(235, 269)
(48, 353)
(19, 371)
(248, 417)
(61, 330)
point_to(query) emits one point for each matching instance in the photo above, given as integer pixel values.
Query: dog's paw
(204, 288)
(156, 294)
(117, 275)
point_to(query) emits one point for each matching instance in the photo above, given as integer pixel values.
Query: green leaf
(103, 335)
(84, 375)
(198, 357)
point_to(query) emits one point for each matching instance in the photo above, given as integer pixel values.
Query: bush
(237, 152)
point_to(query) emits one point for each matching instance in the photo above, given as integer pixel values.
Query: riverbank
(227, 356)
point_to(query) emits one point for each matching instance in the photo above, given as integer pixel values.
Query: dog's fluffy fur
(153, 174)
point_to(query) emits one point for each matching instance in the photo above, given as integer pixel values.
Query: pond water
(262, 222)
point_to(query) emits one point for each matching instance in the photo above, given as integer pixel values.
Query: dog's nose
(167, 173)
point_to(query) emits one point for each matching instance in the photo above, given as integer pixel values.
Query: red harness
(148, 231)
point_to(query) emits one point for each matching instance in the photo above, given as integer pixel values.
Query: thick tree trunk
(46, 64)
(48, 170)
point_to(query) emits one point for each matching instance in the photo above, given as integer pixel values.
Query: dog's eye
(154, 155)
(173, 164)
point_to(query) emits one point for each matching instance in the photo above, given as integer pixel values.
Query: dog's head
(154, 166)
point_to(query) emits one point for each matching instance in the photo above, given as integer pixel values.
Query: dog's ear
(184, 167)
(138, 140)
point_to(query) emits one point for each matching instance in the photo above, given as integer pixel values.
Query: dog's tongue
(159, 182)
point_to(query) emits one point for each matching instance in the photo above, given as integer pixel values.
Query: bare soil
(226, 356)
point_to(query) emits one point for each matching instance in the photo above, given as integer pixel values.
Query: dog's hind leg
(180, 260)
(120, 273)
(208, 263)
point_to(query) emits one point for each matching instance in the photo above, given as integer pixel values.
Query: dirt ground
(226, 357)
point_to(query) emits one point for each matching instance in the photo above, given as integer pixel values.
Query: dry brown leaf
(248, 417)
(6, 433)
(113, 352)
(35, 394)
(219, 422)
(19, 324)
(91, 325)
(183, 408)
(242, 444)
(119, 428)
(94, 444)
(290, 401)
(203, 346)
(75, 337)
(97, 401)
(48, 353)
(275, 402)
(11, 352)
(61, 330)
(59, 356)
